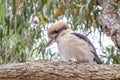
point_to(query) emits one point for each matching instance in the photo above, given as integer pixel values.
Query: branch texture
(49, 70)
(110, 20)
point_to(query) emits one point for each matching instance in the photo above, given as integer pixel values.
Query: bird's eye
(56, 31)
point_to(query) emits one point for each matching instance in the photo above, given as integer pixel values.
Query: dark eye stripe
(61, 29)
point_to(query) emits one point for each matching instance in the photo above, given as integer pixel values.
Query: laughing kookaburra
(72, 46)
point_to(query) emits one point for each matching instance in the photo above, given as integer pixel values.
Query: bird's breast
(72, 48)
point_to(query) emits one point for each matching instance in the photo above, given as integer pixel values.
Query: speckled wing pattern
(96, 58)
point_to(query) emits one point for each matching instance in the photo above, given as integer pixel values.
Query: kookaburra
(72, 46)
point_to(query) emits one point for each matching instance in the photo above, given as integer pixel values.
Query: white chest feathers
(71, 48)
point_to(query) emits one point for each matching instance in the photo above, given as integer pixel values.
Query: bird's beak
(51, 41)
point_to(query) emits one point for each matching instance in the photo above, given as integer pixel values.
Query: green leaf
(41, 3)
(48, 8)
(2, 12)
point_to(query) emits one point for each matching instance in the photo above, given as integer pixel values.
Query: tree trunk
(110, 20)
(49, 70)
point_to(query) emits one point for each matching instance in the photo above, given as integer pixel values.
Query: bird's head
(54, 31)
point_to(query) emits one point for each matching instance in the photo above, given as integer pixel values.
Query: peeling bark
(49, 70)
(110, 20)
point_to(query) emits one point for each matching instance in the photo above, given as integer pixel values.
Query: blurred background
(24, 24)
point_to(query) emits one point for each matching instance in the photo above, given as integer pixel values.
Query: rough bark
(110, 20)
(49, 70)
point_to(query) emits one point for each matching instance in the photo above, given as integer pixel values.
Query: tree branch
(110, 20)
(49, 70)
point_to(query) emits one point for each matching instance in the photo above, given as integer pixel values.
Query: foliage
(23, 25)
